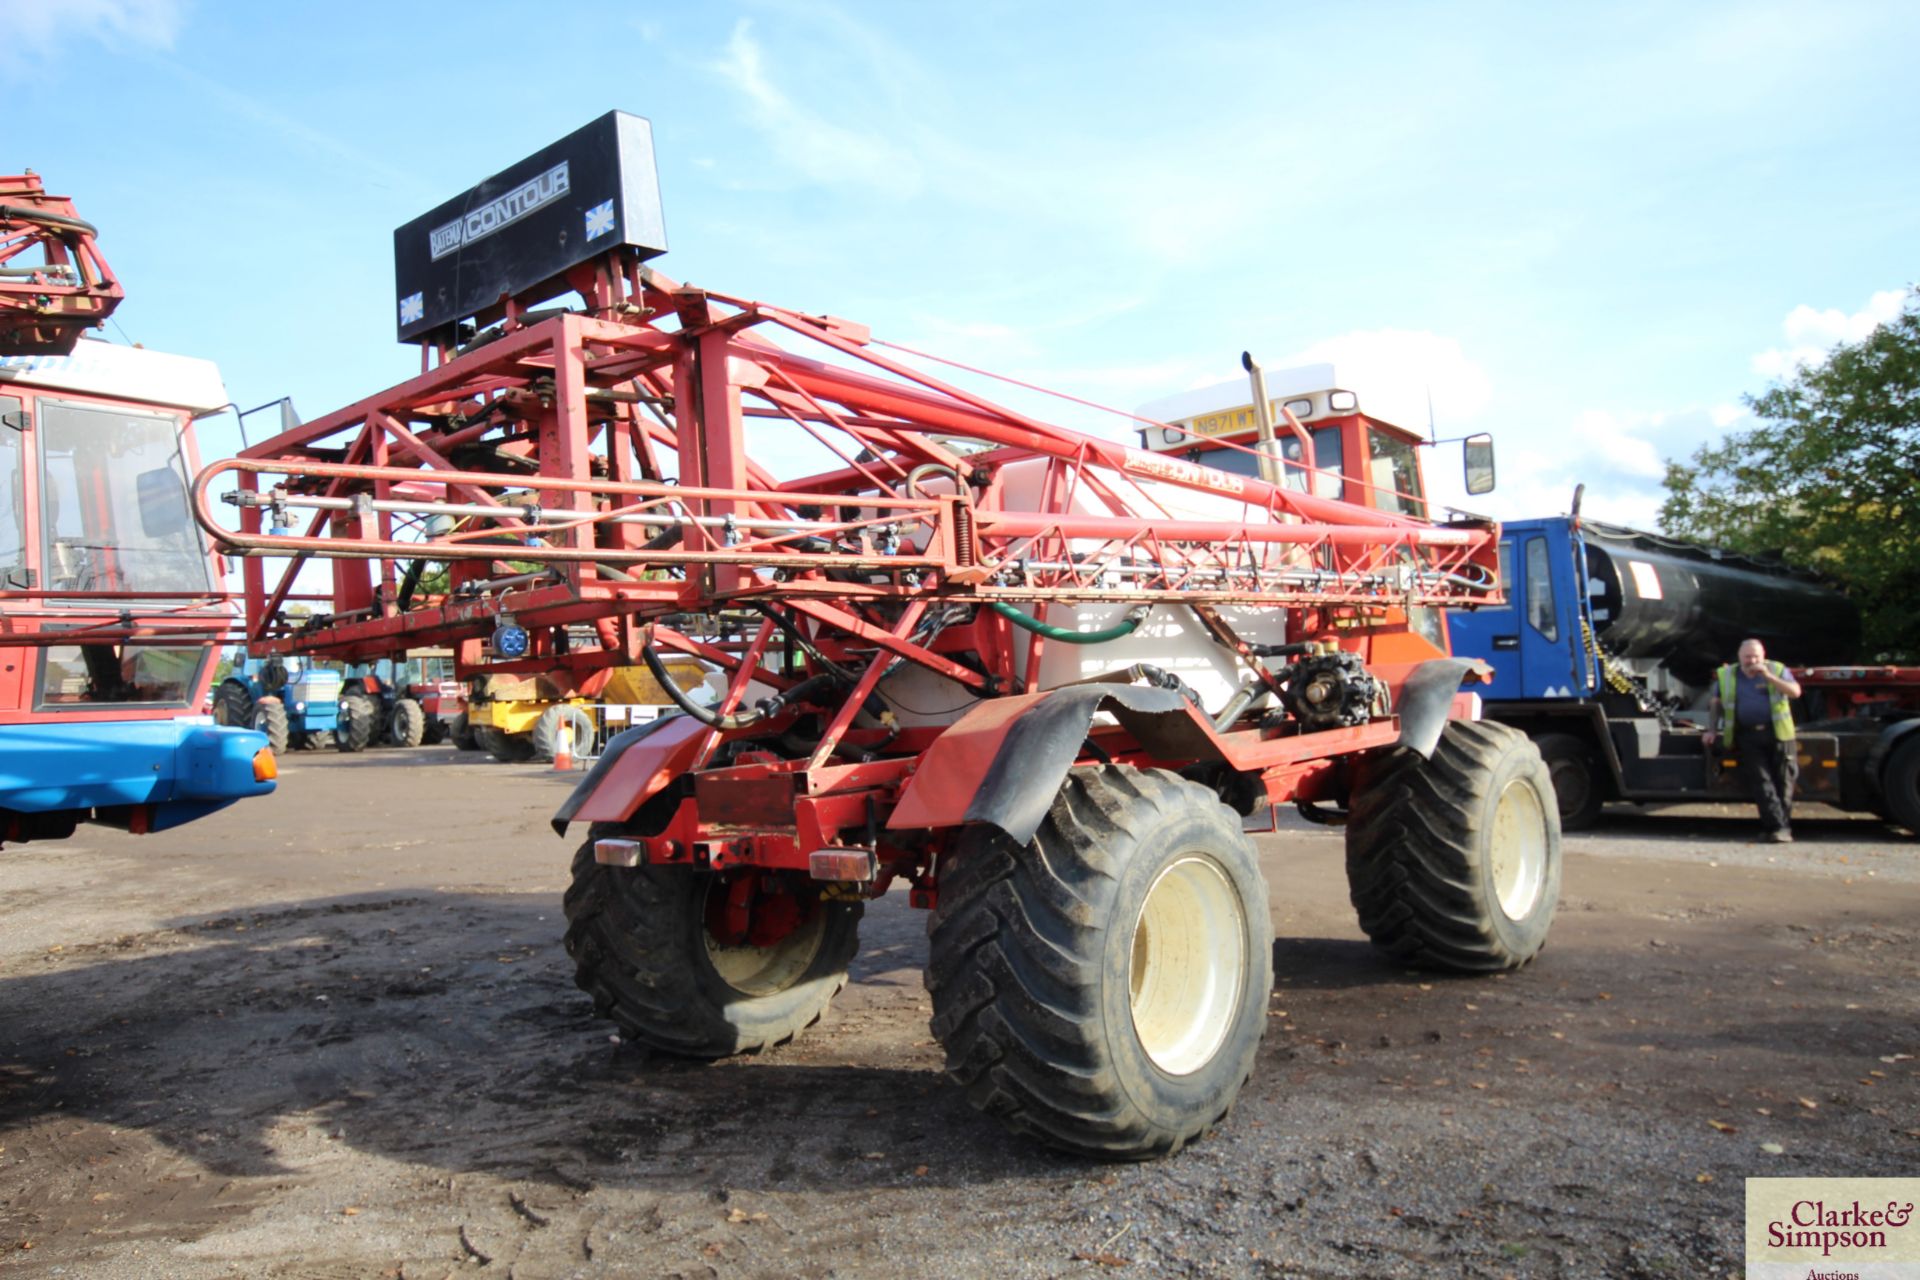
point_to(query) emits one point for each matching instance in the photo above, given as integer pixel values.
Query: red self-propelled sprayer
(1038, 676)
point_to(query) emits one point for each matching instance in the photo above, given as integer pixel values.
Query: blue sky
(1587, 230)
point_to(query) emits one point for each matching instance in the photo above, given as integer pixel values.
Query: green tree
(1830, 480)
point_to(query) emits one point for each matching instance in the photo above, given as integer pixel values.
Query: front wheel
(462, 734)
(233, 704)
(1104, 987)
(270, 718)
(706, 964)
(409, 726)
(1453, 861)
(355, 729)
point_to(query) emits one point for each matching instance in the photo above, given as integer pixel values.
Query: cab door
(1529, 640)
(1493, 635)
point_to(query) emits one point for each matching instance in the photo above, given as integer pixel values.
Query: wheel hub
(1189, 965)
(760, 936)
(1519, 850)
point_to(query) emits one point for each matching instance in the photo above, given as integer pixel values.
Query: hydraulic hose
(1125, 627)
(765, 709)
(705, 715)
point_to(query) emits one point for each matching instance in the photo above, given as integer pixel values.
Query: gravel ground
(333, 1034)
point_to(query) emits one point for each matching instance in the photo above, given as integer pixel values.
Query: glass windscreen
(114, 512)
(1326, 460)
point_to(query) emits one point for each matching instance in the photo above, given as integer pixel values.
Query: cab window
(1395, 475)
(13, 507)
(114, 513)
(1541, 615)
(80, 676)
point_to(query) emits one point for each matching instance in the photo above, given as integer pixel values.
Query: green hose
(1125, 627)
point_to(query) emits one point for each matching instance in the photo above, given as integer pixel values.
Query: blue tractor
(294, 703)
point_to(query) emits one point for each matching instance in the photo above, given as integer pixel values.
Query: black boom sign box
(516, 234)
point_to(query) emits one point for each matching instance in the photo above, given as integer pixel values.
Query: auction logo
(499, 212)
(1832, 1229)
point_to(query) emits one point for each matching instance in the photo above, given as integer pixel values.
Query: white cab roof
(1238, 392)
(127, 373)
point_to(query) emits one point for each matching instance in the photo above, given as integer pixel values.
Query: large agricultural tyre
(507, 748)
(546, 732)
(233, 704)
(462, 734)
(408, 728)
(644, 945)
(359, 717)
(435, 733)
(270, 718)
(314, 740)
(1104, 987)
(1900, 784)
(1453, 862)
(1579, 784)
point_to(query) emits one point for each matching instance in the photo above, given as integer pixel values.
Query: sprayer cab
(1320, 439)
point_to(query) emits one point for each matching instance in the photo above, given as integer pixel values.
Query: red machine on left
(112, 608)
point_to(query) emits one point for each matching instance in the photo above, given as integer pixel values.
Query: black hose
(19, 214)
(1281, 650)
(704, 715)
(766, 709)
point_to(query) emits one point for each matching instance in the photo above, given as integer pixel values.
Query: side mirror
(163, 502)
(1478, 451)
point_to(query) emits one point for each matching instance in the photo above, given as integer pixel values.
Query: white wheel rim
(764, 971)
(1189, 965)
(1519, 853)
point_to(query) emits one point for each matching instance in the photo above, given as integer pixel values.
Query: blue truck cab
(1606, 649)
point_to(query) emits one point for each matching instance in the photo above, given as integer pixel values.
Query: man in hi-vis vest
(1750, 707)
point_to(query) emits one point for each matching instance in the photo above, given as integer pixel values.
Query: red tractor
(111, 606)
(1043, 679)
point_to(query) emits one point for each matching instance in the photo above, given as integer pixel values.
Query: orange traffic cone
(563, 748)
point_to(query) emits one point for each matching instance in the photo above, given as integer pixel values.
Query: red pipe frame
(874, 550)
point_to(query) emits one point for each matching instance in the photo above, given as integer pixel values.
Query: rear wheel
(705, 964)
(409, 725)
(270, 718)
(233, 704)
(1453, 862)
(357, 716)
(1578, 787)
(1900, 784)
(546, 732)
(315, 740)
(1104, 987)
(507, 748)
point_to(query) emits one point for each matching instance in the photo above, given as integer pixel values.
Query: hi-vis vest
(1776, 700)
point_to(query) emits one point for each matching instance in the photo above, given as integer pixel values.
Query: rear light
(265, 767)
(843, 864)
(612, 852)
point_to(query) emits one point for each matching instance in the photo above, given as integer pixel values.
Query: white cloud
(1600, 435)
(1725, 415)
(1394, 371)
(822, 150)
(36, 29)
(1812, 335)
